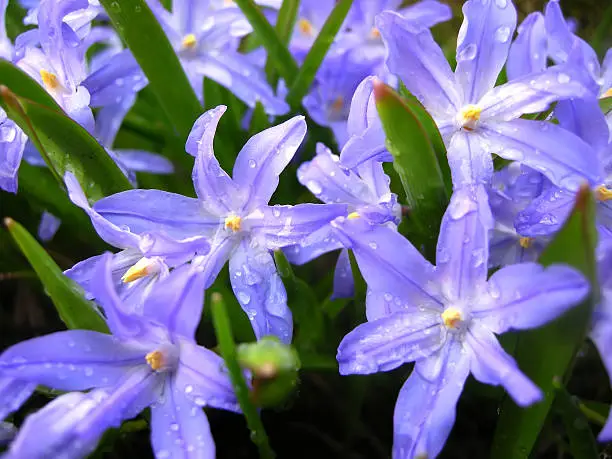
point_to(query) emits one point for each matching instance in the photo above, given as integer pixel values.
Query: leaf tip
(381, 90)
(8, 221)
(583, 197)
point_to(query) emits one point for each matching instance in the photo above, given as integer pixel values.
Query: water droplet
(373, 245)
(188, 389)
(563, 78)
(174, 427)
(275, 212)
(314, 187)
(502, 34)
(88, 371)
(162, 454)
(501, 3)
(243, 297)
(252, 164)
(512, 154)
(467, 53)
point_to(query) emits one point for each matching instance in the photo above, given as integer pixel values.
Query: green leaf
(65, 145)
(581, 440)
(67, 296)
(278, 53)
(546, 354)
(287, 14)
(143, 34)
(317, 53)
(21, 84)
(416, 157)
(606, 105)
(227, 347)
(596, 412)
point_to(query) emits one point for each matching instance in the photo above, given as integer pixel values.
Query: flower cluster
(543, 126)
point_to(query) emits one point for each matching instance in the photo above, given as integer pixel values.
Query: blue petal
(427, 12)
(48, 226)
(547, 213)
(563, 157)
(425, 409)
(179, 428)
(202, 377)
(463, 245)
(12, 145)
(418, 61)
(264, 157)
(177, 301)
(390, 264)
(391, 341)
(13, 394)
(312, 246)
(529, 51)
(260, 292)
(144, 161)
(490, 364)
(71, 360)
(469, 159)
(482, 45)
(344, 284)
(584, 118)
(527, 295)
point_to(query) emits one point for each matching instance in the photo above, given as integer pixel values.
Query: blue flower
(445, 318)
(205, 37)
(474, 117)
(150, 360)
(144, 260)
(234, 215)
(512, 189)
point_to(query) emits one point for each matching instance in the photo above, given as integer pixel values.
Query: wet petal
(529, 51)
(144, 161)
(13, 394)
(546, 213)
(12, 144)
(469, 159)
(344, 284)
(260, 292)
(48, 226)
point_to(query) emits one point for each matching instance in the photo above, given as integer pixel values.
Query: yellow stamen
(608, 93)
(375, 33)
(233, 222)
(189, 41)
(155, 360)
(469, 115)
(451, 317)
(228, 2)
(603, 193)
(141, 268)
(353, 215)
(306, 27)
(337, 104)
(49, 80)
(526, 242)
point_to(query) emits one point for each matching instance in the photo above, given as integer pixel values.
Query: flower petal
(71, 360)
(202, 377)
(144, 161)
(584, 118)
(490, 364)
(247, 82)
(150, 211)
(546, 213)
(563, 157)
(389, 263)
(469, 159)
(532, 93)
(12, 145)
(48, 226)
(260, 292)
(213, 186)
(483, 45)
(391, 341)
(427, 12)
(463, 245)
(344, 284)
(529, 51)
(264, 157)
(281, 226)
(108, 231)
(527, 295)
(13, 394)
(313, 246)
(177, 301)
(414, 56)
(425, 410)
(179, 428)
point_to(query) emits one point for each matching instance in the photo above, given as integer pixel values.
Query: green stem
(228, 351)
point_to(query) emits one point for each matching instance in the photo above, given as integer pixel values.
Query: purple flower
(445, 318)
(234, 215)
(512, 189)
(474, 117)
(356, 53)
(145, 259)
(148, 361)
(206, 38)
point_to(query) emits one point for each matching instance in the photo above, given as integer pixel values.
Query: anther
(603, 193)
(49, 80)
(233, 222)
(452, 317)
(353, 215)
(526, 242)
(141, 268)
(306, 27)
(469, 116)
(189, 41)
(155, 360)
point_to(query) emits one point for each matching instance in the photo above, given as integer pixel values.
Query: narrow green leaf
(581, 440)
(596, 412)
(546, 354)
(65, 146)
(277, 50)
(259, 120)
(227, 347)
(67, 296)
(300, 86)
(416, 159)
(143, 34)
(287, 15)
(606, 105)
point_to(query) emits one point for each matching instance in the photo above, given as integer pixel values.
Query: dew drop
(188, 389)
(563, 78)
(244, 297)
(373, 245)
(174, 427)
(468, 53)
(501, 3)
(502, 34)
(252, 164)
(314, 187)
(88, 371)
